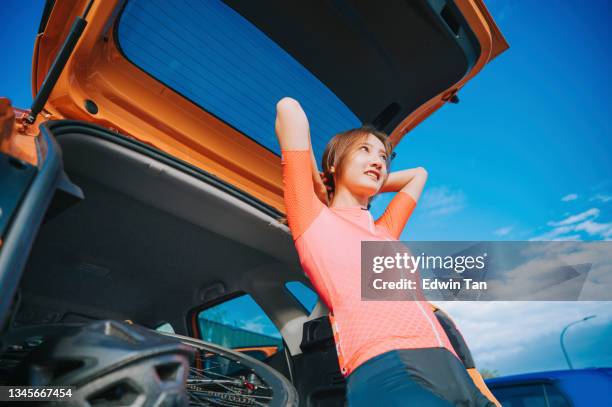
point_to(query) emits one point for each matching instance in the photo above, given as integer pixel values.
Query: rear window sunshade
(214, 57)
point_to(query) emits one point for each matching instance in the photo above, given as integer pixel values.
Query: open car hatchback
(144, 185)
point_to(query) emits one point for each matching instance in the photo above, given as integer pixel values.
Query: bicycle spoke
(231, 391)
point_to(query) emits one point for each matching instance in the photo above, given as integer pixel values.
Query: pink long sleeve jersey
(328, 242)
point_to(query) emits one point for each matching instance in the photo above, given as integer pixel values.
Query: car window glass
(210, 54)
(521, 396)
(555, 397)
(302, 294)
(242, 325)
(165, 327)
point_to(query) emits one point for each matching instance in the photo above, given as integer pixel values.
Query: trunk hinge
(451, 97)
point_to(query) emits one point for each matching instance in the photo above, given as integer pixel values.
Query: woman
(392, 352)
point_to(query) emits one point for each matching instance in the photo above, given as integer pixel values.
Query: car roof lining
(148, 241)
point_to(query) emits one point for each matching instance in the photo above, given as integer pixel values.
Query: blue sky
(531, 128)
(524, 155)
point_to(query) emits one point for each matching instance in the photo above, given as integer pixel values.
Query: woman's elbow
(290, 113)
(422, 172)
(287, 103)
(291, 125)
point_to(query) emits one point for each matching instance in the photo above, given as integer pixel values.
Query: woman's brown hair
(342, 144)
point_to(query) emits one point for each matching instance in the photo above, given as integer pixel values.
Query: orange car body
(129, 101)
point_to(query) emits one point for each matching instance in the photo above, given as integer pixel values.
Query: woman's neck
(343, 198)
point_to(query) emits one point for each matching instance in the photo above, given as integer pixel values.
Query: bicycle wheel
(216, 376)
(222, 377)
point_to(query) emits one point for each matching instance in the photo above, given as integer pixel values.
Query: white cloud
(504, 231)
(569, 238)
(554, 234)
(257, 324)
(570, 197)
(602, 198)
(260, 324)
(582, 222)
(497, 331)
(532, 273)
(254, 327)
(593, 229)
(603, 230)
(440, 201)
(593, 212)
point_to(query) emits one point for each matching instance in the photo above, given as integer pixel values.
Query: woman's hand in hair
(322, 189)
(410, 181)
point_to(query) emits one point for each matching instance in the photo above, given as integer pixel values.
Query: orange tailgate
(132, 102)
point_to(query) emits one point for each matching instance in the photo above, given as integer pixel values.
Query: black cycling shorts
(414, 377)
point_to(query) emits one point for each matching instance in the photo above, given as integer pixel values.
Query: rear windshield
(211, 55)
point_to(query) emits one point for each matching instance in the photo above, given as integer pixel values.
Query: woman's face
(364, 169)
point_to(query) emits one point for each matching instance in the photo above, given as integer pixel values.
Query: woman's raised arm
(410, 181)
(291, 125)
(410, 184)
(293, 133)
(299, 169)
